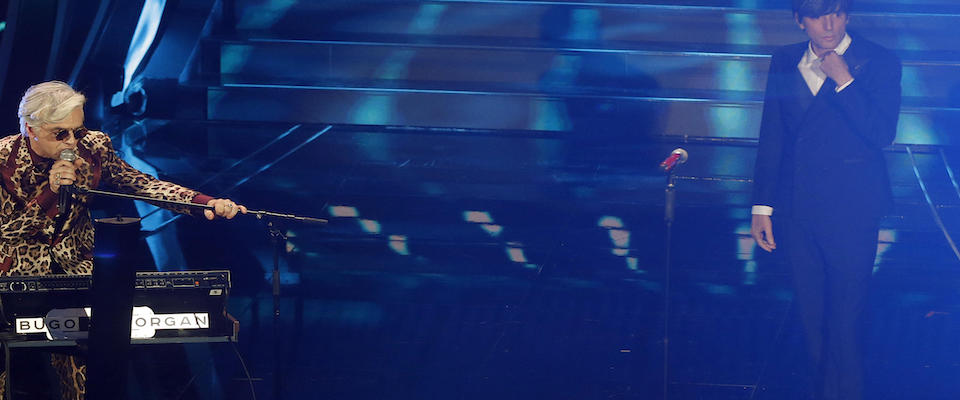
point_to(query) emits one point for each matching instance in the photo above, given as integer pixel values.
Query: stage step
(605, 118)
(528, 23)
(551, 71)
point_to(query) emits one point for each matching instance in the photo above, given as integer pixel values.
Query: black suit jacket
(820, 156)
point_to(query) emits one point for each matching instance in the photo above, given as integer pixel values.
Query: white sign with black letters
(69, 323)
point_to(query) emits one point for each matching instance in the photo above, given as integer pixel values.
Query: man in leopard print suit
(35, 237)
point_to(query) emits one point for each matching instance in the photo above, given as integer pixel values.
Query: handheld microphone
(68, 155)
(65, 190)
(677, 157)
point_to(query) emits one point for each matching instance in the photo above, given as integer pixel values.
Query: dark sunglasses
(61, 134)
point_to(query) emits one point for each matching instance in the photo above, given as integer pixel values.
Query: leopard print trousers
(71, 373)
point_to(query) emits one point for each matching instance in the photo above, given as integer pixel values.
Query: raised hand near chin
(836, 68)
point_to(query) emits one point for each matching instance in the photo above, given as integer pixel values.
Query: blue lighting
(620, 237)
(585, 24)
(480, 217)
(632, 264)
(398, 243)
(745, 243)
(750, 273)
(143, 37)
(550, 115)
(516, 255)
(163, 242)
(493, 230)
(610, 222)
(913, 82)
(717, 289)
(343, 211)
(373, 110)
(885, 239)
(749, 4)
(742, 28)
(911, 42)
(735, 75)
(347, 313)
(286, 278)
(916, 128)
(265, 15)
(426, 19)
(731, 121)
(381, 109)
(233, 58)
(746, 248)
(370, 226)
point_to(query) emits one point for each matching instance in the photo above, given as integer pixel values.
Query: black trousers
(832, 262)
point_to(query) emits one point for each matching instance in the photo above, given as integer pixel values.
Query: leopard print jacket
(29, 236)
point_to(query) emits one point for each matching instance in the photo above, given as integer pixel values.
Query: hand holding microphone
(63, 174)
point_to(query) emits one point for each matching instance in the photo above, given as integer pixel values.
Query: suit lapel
(828, 89)
(856, 58)
(19, 167)
(797, 96)
(800, 90)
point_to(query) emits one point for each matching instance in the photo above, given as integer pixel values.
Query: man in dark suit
(831, 105)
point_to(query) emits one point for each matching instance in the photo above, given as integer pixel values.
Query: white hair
(48, 103)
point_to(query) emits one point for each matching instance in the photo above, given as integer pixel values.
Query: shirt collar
(809, 56)
(40, 163)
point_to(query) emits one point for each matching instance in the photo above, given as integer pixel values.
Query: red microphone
(677, 157)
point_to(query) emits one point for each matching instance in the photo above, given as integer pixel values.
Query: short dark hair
(817, 8)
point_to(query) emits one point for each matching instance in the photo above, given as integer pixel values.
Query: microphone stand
(256, 213)
(279, 242)
(277, 239)
(668, 217)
